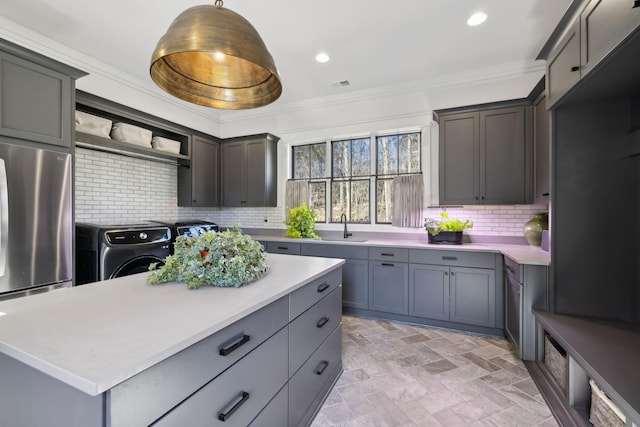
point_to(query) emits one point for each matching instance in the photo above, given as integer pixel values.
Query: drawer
(335, 251)
(453, 258)
(317, 373)
(288, 248)
(239, 394)
(312, 327)
(301, 299)
(513, 269)
(389, 254)
(146, 396)
(276, 412)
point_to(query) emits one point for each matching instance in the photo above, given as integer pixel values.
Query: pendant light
(214, 57)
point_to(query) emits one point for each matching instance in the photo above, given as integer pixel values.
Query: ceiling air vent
(342, 83)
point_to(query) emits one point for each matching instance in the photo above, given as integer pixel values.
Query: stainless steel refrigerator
(35, 219)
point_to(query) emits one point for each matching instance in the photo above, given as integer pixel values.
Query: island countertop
(95, 336)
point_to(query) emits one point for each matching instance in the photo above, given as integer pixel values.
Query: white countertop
(522, 254)
(95, 336)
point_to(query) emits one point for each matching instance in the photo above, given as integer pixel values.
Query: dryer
(109, 251)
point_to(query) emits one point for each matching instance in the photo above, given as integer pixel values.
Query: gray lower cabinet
(249, 171)
(199, 184)
(239, 376)
(389, 287)
(355, 270)
(429, 291)
(473, 296)
(36, 96)
(287, 248)
(460, 287)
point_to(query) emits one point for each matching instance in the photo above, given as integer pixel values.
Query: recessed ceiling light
(476, 19)
(322, 57)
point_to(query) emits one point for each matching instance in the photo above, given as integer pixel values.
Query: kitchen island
(123, 352)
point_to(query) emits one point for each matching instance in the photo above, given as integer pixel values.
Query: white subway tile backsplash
(111, 188)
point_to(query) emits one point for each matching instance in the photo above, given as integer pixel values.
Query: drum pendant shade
(214, 57)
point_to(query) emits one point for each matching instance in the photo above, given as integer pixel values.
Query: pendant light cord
(218, 3)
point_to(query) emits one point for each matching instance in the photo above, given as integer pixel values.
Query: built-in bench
(606, 352)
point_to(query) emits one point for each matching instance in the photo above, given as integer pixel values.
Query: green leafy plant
(434, 226)
(302, 223)
(226, 259)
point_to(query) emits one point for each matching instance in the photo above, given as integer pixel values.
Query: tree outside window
(351, 170)
(310, 162)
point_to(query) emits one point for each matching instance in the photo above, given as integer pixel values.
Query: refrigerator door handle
(4, 217)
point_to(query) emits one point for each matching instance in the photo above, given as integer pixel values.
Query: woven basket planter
(604, 413)
(555, 359)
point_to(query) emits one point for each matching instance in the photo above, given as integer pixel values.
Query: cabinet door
(389, 287)
(429, 291)
(604, 25)
(255, 161)
(35, 102)
(355, 283)
(502, 156)
(199, 185)
(541, 153)
(563, 65)
(459, 159)
(473, 296)
(233, 174)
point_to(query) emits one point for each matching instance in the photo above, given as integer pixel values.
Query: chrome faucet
(345, 235)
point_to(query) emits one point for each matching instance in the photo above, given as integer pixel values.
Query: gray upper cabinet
(199, 185)
(563, 65)
(36, 97)
(541, 150)
(604, 24)
(249, 171)
(482, 157)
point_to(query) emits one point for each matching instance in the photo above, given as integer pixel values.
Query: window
(351, 171)
(310, 162)
(349, 188)
(396, 154)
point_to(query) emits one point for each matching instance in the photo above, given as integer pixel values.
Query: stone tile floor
(401, 375)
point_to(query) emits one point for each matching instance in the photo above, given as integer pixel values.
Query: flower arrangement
(226, 259)
(302, 223)
(434, 226)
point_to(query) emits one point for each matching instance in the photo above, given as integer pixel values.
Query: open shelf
(607, 352)
(93, 142)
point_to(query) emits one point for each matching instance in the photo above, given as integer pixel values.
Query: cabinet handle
(575, 68)
(235, 345)
(449, 258)
(224, 416)
(387, 264)
(323, 287)
(546, 194)
(446, 273)
(383, 254)
(322, 322)
(453, 274)
(321, 367)
(636, 3)
(283, 248)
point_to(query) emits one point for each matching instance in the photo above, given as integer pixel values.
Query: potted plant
(302, 223)
(445, 230)
(228, 258)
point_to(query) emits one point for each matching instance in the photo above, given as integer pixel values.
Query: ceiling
(372, 43)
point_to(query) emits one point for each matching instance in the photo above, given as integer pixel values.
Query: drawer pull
(387, 264)
(235, 345)
(323, 287)
(449, 258)
(224, 416)
(384, 254)
(322, 322)
(321, 367)
(283, 248)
